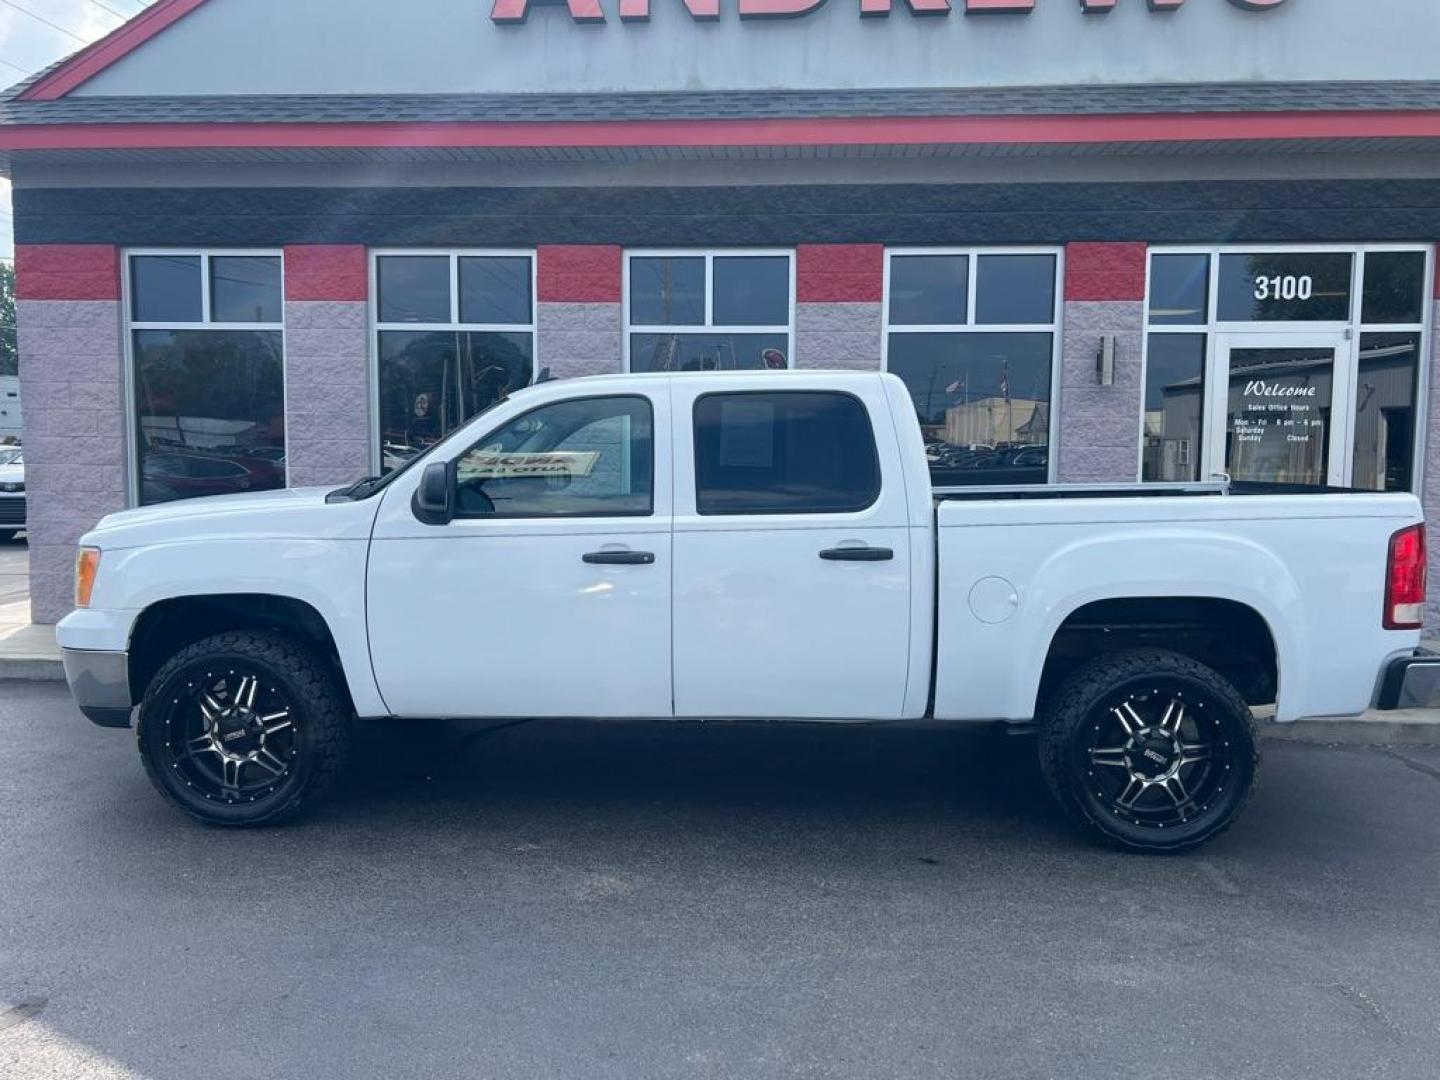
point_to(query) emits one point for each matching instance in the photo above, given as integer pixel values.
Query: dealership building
(270, 242)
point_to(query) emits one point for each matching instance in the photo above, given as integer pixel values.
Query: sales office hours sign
(638, 11)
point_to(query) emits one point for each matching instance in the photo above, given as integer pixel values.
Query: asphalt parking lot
(640, 900)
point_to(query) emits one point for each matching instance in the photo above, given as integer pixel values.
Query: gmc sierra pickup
(746, 544)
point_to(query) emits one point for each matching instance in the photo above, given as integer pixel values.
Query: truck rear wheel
(1151, 750)
(244, 729)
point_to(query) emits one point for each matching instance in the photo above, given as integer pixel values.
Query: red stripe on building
(114, 46)
(839, 273)
(326, 272)
(824, 131)
(67, 272)
(1105, 272)
(577, 274)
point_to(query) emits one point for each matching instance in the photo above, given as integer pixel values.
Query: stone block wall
(578, 319)
(72, 386)
(839, 289)
(1099, 432)
(327, 364)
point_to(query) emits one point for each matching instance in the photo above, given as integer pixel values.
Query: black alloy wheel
(243, 729)
(1152, 750)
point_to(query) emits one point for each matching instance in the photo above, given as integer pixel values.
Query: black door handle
(619, 558)
(858, 554)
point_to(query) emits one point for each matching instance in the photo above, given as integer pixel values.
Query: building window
(454, 333)
(1296, 365)
(974, 335)
(709, 310)
(207, 371)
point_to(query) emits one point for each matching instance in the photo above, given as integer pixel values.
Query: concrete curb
(1403, 727)
(31, 669)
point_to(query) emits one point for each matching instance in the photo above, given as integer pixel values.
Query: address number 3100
(1285, 287)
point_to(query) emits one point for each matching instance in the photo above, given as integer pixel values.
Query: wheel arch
(166, 626)
(1232, 636)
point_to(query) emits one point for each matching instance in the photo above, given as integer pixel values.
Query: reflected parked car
(12, 492)
(169, 475)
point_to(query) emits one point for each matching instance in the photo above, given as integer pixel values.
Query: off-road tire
(1067, 719)
(310, 687)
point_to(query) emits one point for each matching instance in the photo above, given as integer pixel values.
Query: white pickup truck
(742, 544)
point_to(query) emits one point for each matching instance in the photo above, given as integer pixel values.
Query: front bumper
(1410, 682)
(100, 682)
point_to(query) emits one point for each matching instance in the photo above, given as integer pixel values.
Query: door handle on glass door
(858, 554)
(619, 558)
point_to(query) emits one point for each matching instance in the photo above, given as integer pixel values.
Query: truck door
(548, 594)
(792, 553)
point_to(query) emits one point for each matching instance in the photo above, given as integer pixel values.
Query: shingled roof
(1219, 98)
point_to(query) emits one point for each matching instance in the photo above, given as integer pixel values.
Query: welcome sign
(632, 11)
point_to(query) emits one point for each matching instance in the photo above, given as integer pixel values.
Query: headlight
(87, 565)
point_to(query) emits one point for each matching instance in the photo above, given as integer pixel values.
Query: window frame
(1055, 328)
(628, 329)
(589, 399)
(131, 440)
(695, 455)
(1352, 329)
(377, 327)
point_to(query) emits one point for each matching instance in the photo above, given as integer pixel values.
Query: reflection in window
(1394, 287)
(789, 452)
(495, 289)
(246, 289)
(413, 288)
(1278, 428)
(677, 303)
(983, 397)
(1015, 289)
(167, 288)
(210, 407)
(209, 403)
(1179, 290)
(589, 456)
(667, 290)
(433, 380)
(1287, 286)
(1174, 407)
(1385, 394)
(708, 352)
(983, 400)
(929, 290)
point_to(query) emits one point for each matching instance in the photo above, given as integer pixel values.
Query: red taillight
(1405, 580)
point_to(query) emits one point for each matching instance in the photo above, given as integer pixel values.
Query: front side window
(973, 336)
(208, 372)
(455, 333)
(589, 457)
(708, 311)
(786, 452)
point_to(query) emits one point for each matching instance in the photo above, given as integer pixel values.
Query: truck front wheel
(1149, 749)
(244, 729)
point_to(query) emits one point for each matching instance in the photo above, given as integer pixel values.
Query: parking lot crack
(1419, 766)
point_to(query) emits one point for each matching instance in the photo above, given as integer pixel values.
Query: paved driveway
(638, 901)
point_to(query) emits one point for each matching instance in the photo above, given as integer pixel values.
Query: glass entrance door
(1279, 406)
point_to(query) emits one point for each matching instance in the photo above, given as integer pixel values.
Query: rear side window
(784, 452)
